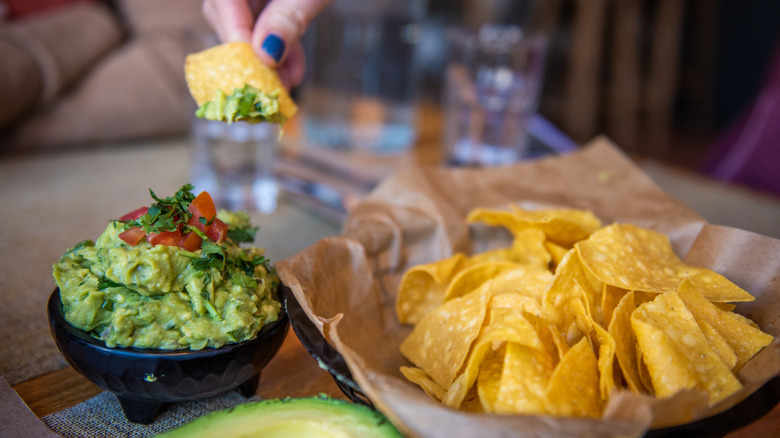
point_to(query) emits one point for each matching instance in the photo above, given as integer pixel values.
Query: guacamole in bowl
(170, 276)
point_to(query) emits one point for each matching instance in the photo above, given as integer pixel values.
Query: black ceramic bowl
(143, 380)
(744, 413)
(327, 357)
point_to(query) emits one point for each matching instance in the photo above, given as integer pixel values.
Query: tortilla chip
(562, 226)
(440, 342)
(423, 288)
(489, 380)
(229, 66)
(573, 389)
(718, 344)
(625, 343)
(520, 280)
(557, 252)
(634, 258)
(610, 297)
(567, 302)
(528, 248)
(676, 352)
(505, 325)
(524, 377)
(515, 301)
(470, 278)
(424, 381)
(743, 337)
(606, 360)
(472, 403)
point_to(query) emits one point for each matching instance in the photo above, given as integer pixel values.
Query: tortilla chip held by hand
(227, 73)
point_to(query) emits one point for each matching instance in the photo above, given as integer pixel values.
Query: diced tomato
(132, 236)
(190, 241)
(217, 231)
(195, 222)
(203, 206)
(169, 238)
(135, 214)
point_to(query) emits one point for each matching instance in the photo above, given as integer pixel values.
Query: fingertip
(274, 46)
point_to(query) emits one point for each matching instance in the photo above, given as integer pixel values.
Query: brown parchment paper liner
(347, 284)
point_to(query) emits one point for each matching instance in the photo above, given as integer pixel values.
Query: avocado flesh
(246, 104)
(301, 417)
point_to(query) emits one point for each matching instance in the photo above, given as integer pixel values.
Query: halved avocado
(290, 417)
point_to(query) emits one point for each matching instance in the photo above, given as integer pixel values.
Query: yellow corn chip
(676, 352)
(505, 325)
(418, 376)
(440, 342)
(634, 258)
(718, 343)
(521, 280)
(524, 377)
(489, 380)
(562, 226)
(625, 343)
(644, 374)
(423, 288)
(557, 252)
(472, 402)
(606, 360)
(573, 389)
(547, 334)
(528, 248)
(472, 277)
(524, 303)
(230, 66)
(610, 297)
(741, 334)
(567, 302)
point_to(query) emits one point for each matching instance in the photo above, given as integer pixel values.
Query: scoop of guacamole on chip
(170, 276)
(244, 104)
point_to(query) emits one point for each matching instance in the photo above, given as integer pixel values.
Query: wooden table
(293, 372)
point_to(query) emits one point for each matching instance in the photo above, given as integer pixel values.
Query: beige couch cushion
(48, 52)
(135, 92)
(148, 16)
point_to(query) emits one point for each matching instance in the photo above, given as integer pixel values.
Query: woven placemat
(102, 416)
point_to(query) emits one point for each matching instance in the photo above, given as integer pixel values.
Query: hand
(273, 27)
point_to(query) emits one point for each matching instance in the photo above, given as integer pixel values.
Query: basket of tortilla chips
(567, 296)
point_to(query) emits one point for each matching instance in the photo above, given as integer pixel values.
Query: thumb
(280, 25)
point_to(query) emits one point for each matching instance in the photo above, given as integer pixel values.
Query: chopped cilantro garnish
(243, 280)
(212, 256)
(105, 283)
(166, 214)
(245, 235)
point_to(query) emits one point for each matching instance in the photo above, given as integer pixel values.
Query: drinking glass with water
(492, 87)
(360, 95)
(234, 162)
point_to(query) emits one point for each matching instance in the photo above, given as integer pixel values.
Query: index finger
(231, 19)
(280, 25)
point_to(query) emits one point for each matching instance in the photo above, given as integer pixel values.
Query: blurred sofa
(79, 72)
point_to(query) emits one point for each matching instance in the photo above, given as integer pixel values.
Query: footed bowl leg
(249, 388)
(137, 411)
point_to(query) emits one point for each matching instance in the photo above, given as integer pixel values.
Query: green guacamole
(245, 104)
(166, 297)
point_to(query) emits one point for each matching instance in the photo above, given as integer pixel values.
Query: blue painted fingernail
(274, 47)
